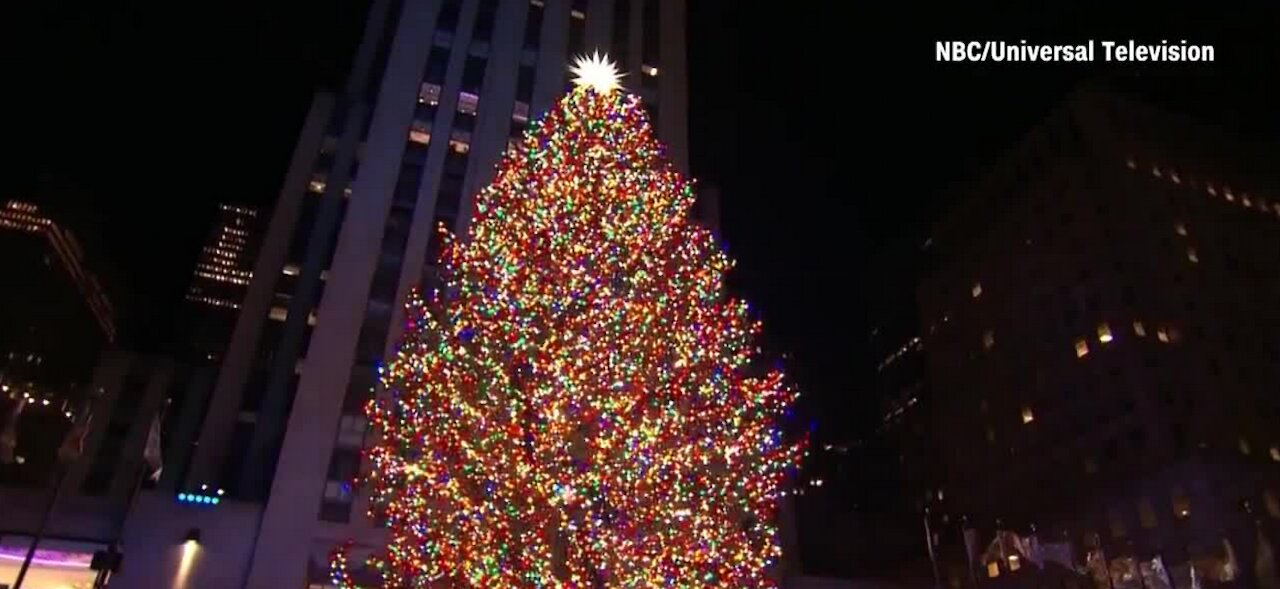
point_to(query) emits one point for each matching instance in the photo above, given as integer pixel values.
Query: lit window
(317, 184)
(520, 112)
(1139, 329)
(346, 192)
(338, 491)
(420, 132)
(1181, 503)
(993, 569)
(1244, 446)
(1162, 334)
(1193, 256)
(649, 70)
(1146, 513)
(311, 318)
(1104, 333)
(1211, 190)
(988, 339)
(278, 313)
(537, 3)
(292, 269)
(1275, 453)
(351, 430)
(1028, 415)
(1175, 177)
(976, 290)
(1244, 200)
(1180, 228)
(429, 93)
(468, 103)
(1082, 348)
(1133, 165)
(578, 14)
(1272, 503)
(1227, 194)
(1155, 171)
(460, 141)
(1015, 563)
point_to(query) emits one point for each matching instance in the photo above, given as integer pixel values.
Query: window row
(1225, 192)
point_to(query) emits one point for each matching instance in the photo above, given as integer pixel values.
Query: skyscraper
(54, 314)
(220, 280)
(437, 91)
(1101, 321)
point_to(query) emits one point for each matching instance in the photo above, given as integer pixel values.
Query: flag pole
(933, 559)
(114, 547)
(61, 471)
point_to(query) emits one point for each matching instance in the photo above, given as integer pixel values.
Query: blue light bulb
(182, 497)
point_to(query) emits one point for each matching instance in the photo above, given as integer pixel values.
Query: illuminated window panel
(1028, 415)
(1104, 333)
(989, 339)
(1192, 256)
(976, 291)
(468, 103)
(1181, 503)
(1139, 329)
(278, 314)
(420, 132)
(1082, 348)
(1243, 444)
(1180, 228)
(520, 112)
(429, 93)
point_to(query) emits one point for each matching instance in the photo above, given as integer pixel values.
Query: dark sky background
(832, 136)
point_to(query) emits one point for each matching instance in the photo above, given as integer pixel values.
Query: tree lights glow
(574, 408)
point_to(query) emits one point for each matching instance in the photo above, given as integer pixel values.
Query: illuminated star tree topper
(597, 72)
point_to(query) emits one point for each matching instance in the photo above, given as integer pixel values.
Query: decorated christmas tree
(576, 406)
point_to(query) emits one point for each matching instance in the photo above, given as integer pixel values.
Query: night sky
(832, 137)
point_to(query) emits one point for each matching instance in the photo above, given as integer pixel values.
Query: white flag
(9, 435)
(151, 453)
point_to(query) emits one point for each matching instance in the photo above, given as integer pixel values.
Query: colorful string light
(575, 408)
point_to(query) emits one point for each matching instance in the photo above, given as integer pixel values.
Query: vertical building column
(290, 517)
(553, 56)
(224, 406)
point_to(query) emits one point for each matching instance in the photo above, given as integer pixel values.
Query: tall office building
(54, 314)
(220, 281)
(437, 91)
(1101, 322)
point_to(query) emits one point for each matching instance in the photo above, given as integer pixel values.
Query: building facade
(1101, 325)
(437, 91)
(54, 319)
(220, 280)
(56, 315)
(129, 395)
